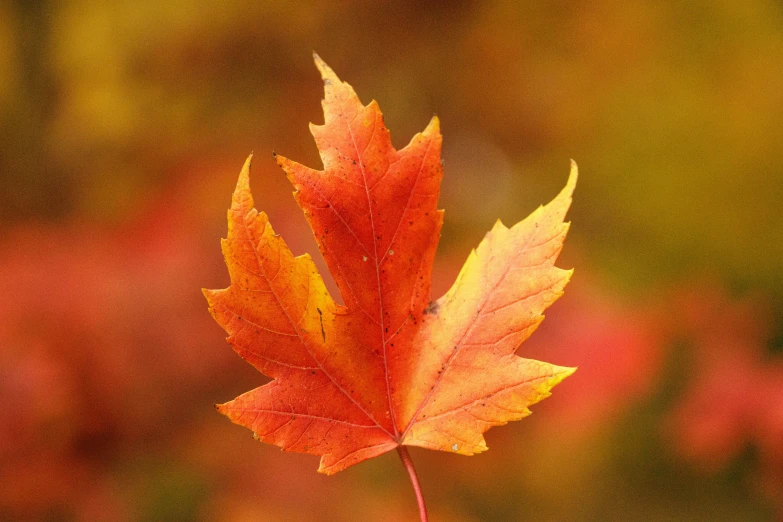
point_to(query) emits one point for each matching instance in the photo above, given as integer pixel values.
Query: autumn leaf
(390, 367)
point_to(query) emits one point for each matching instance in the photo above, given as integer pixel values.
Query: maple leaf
(390, 367)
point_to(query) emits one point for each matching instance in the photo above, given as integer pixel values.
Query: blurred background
(123, 127)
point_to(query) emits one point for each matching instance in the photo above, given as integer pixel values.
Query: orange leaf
(390, 367)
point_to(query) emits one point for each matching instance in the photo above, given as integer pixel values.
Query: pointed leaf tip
(572, 177)
(243, 183)
(563, 198)
(326, 72)
(433, 127)
(559, 375)
(565, 371)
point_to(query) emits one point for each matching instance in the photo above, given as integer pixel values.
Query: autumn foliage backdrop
(124, 127)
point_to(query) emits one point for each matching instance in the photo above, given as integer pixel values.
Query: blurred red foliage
(618, 347)
(735, 397)
(101, 330)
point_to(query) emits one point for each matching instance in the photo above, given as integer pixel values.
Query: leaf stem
(408, 463)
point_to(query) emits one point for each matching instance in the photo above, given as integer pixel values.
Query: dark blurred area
(123, 127)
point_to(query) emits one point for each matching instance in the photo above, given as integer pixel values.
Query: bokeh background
(123, 126)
